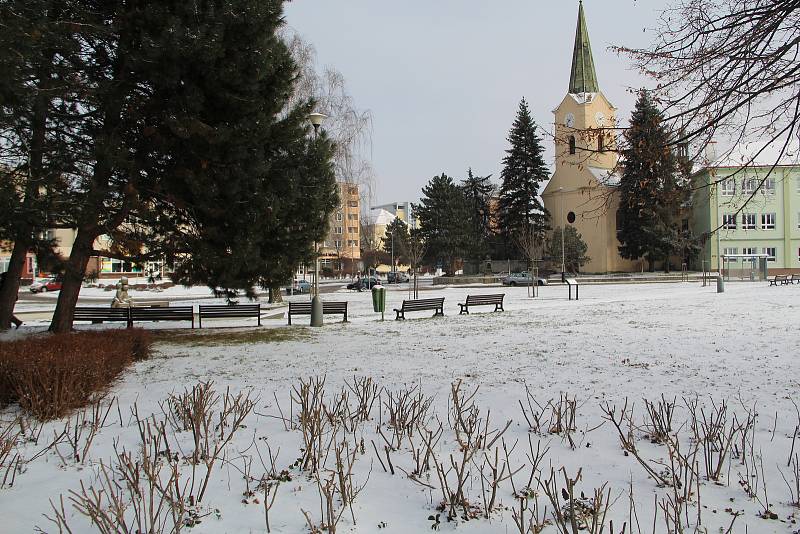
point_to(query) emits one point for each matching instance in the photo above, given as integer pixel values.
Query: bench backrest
(304, 308)
(239, 310)
(173, 313)
(423, 304)
(91, 313)
(475, 300)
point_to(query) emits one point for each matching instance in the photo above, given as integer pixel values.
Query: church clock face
(569, 120)
(600, 118)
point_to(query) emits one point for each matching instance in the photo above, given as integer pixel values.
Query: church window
(571, 144)
(571, 217)
(600, 146)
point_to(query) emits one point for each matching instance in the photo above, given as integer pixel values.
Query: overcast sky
(443, 78)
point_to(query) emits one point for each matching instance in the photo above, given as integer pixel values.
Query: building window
(352, 216)
(353, 190)
(339, 216)
(571, 144)
(771, 253)
(352, 229)
(798, 254)
(600, 146)
(748, 221)
(767, 221)
(729, 221)
(749, 251)
(728, 251)
(352, 203)
(728, 187)
(798, 219)
(337, 244)
(749, 185)
(769, 186)
(337, 230)
(352, 243)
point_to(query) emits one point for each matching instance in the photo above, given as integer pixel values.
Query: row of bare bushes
(51, 375)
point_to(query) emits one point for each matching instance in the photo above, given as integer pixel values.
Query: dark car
(397, 277)
(364, 283)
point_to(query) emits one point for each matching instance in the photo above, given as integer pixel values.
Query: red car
(48, 284)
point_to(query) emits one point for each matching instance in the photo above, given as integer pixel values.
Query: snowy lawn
(565, 368)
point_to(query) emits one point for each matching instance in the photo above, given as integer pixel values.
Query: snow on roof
(382, 217)
(605, 176)
(742, 155)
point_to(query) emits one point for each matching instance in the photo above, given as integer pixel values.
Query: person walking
(17, 322)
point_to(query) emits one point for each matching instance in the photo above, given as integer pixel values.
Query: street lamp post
(316, 303)
(563, 227)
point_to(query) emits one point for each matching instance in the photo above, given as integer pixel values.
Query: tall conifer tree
(649, 190)
(443, 215)
(523, 172)
(478, 191)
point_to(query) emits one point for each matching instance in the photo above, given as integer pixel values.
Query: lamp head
(316, 119)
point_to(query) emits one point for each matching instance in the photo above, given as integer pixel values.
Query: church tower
(582, 191)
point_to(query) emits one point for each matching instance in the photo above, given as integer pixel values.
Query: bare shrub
(51, 375)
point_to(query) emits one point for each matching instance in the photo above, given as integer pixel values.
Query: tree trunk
(275, 295)
(75, 269)
(10, 289)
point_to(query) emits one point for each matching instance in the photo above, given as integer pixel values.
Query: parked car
(397, 277)
(45, 285)
(299, 286)
(366, 283)
(522, 279)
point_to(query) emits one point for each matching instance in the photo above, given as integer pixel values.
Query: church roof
(605, 176)
(583, 78)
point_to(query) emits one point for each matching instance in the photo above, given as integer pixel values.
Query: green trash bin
(379, 299)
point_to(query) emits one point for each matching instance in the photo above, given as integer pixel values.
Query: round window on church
(571, 217)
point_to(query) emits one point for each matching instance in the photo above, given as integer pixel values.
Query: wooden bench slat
(328, 308)
(482, 300)
(436, 304)
(217, 311)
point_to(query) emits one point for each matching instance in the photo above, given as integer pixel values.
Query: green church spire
(583, 78)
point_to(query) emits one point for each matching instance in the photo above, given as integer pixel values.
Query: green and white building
(748, 211)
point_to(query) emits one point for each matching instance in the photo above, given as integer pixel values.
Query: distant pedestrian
(17, 322)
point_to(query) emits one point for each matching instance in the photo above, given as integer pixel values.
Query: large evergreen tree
(650, 193)
(574, 251)
(478, 191)
(395, 241)
(444, 221)
(36, 48)
(523, 172)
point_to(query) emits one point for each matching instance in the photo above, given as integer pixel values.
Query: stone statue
(121, 298)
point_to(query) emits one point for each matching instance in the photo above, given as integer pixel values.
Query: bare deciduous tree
(729, 70)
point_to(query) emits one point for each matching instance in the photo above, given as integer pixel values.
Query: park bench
(226, 311)
(572, 282)
(328, 308)
(100, 314)
(795, 278)
(482, 300)
(420, 304)
(173, 313)
(779, 279)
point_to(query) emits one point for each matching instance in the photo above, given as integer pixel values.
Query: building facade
(748, 210)
(583, 189)
(340, 252)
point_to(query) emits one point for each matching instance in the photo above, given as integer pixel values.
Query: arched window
(571, 144)
(600, 145)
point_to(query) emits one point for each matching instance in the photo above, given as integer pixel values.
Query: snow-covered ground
(617, 343)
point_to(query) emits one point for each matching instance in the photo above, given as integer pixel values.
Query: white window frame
(749, 185)
(729, 221)
(798, 219)
(749, 251)
(772, 253)
(729, 251)
(769, 186)
(728, 187)
(337, 230)
(749, 221)
(339, 216)
(768, 221)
